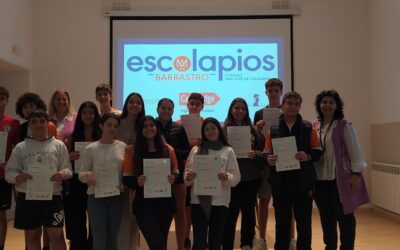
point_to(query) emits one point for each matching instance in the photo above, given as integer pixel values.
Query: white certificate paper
(40, 187)
(80, 147)
(285, 148)
(207, 168)
(3, 145)
(192, 125)
(107, 180)
(239, 137)
(156, 172)
(270, 116)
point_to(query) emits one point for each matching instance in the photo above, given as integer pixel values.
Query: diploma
(107, 180)
(239, 137)
(270, 116)
(156, 172)
(40, 187)
(285, 148)
(3, 145)
(192, 125)
(80, 147)
(207, 168)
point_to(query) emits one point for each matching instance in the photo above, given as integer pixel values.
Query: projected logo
(221, 62)
(182, 63)
(209, 98)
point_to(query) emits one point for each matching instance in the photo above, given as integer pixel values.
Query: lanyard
(326, 134)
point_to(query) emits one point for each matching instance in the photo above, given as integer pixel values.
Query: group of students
(331, 165)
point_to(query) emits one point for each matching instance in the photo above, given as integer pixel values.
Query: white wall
(384, 20)
(16, 29)
(71, 50)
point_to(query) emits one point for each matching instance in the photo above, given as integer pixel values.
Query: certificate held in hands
(207, 168)
(270, 116)
(285, 148)
(107, 181)
(239, 137)
(40, 187)
(156, 172)
(192, 125)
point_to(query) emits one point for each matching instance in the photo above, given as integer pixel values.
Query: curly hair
(26, 98)
(339, 103)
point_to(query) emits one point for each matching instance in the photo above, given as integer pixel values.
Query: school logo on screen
(204, 65)
(182, 63)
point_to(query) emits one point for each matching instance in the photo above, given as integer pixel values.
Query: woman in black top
(175, 135)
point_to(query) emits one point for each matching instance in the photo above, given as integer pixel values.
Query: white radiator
(385, 184)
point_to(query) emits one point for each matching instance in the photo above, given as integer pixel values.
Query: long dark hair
(230, 121)
(79, 128)
(339, 104)
(141, 145)
(125, 108)
(221, 136)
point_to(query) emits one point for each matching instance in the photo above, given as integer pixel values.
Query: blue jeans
(105, 218)
(214, 226)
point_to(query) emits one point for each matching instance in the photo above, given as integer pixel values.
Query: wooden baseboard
(387, 214)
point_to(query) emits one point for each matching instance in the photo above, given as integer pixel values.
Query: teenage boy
(43, 153)
(273, 90)
(195, 105)
(9, 129)
(292, 190)
(26, 104)
(104, 96)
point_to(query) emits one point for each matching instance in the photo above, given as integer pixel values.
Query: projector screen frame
(289, 85)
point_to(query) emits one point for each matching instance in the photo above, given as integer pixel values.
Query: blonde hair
(52, 108)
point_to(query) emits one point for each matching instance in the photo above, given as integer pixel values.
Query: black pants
(154, 217)
(243, 199)
(288, 198)
(331, 212)
(75, 205)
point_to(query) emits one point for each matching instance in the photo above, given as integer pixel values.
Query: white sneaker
(247, 247)
(261, 245)
(292, 244)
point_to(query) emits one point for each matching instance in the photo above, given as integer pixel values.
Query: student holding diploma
(9, 137)
(37, 167)
(86, 130)
(101, 170)
(340, 187)
(132, 112)
(213, 170)
(175, 136)
(195, 105)
(153, 156)
(244, 195)
(293, 189)
(273, 90)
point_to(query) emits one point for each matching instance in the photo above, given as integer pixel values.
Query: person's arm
(87, 165)
(64, 165)
(14, 167)
(232, 170)
(52, 129)
(16, 133)
(316, 149)
(174, 165)
(128, 177)
(190, 174)
(353, 149)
